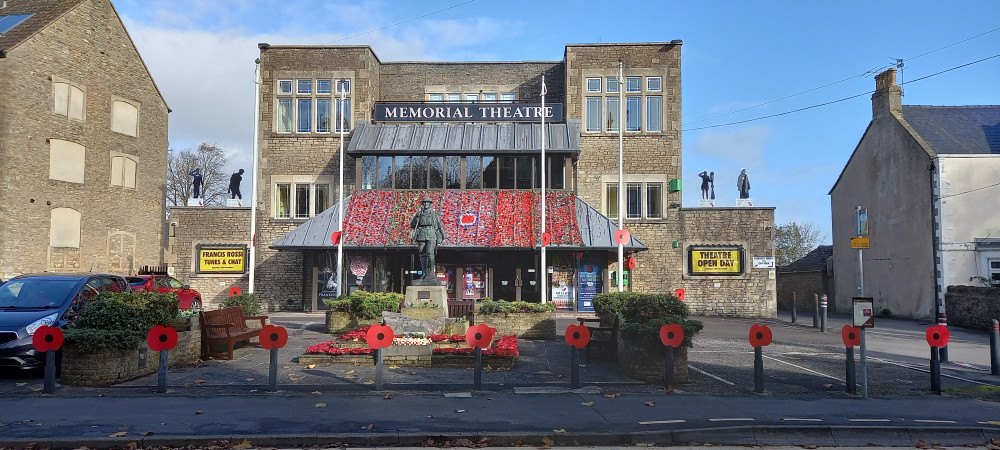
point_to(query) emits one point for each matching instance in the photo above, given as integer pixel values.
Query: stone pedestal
(432, 298)
(234, 202)
(744, 202)
(195, 202)
(706, 203)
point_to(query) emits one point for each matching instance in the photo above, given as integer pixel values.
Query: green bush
(368, 305)
(642, 315)
(339, 304)
(612, 302)
(505, 307)
(250, 303)
(120, 320)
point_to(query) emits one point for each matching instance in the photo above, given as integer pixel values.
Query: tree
(793, 241)
(211, 160)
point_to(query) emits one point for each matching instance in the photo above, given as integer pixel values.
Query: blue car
(29, 301)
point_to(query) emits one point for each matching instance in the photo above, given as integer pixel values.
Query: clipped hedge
(120, 320)
(250, 302)
(504, 307)
(366, 305)
(640, 316)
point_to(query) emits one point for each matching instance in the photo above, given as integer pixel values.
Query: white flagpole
(621, 175)
(340, 196)
(545, 271)
(253, 183)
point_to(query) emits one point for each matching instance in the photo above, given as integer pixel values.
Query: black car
(29, 301)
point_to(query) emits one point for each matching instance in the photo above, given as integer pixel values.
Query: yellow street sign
(859, 242)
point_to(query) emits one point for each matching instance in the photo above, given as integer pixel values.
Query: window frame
(320, 95)
(645, 192)
(289, 189)
(637, 116)
(653, 125)
(659, 81)
(590, 87)
(629, 88)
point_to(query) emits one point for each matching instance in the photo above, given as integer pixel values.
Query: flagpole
(621, 174)
(253, 183)
(340, 197)
(545, 271)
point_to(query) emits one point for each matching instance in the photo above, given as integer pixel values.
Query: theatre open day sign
(222, 259)
(715, 260)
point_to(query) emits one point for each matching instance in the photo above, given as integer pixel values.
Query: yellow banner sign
(860, 242)
(723, 261)
(222, 260)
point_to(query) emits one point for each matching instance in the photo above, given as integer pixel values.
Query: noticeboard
(864, 312)
(222, 259)
(715, 260)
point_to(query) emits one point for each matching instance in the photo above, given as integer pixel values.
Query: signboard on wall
(221, 259)
(715, 260)
(467, 112)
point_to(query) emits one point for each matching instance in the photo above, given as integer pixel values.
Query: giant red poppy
(679, 293)
(479, 336)
(851, 336)
(622, 237)
(335, 237)
(760, 336)
(630, 263)
(546, 239)
(273, 336)
(938, 335)
(47, 338)
(577, 335)
(235, 290)
(379, 336)
(161, 338)
(672, 335)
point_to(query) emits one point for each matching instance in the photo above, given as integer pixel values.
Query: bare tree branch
(211, 160)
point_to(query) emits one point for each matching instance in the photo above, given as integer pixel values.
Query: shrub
(505, 307)
(612, 302)
(368, 305)
(339, 304)
(120, 320)
(250, 303)
(642, 315)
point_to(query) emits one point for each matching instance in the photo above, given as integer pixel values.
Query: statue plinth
(706, 203)
(744, 202)
(427, 297)
(194, 202)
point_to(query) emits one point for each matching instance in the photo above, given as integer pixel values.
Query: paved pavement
(804, 401)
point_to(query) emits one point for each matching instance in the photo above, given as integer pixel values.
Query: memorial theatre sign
(467, 112)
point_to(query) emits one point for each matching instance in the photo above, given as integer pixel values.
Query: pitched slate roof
(957, 129)
(464, 139)
(43, 13)
(814, 261)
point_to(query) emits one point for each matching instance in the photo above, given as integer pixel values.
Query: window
(454, 98)
(654, 200)
(304, 87)
(507, 98)
(633, 200)
(611, 196)
(993, 270)
(489, 98)
(435, 98)
(594, 113)
(284, 86)
(300, 200)
(285, 114)
(633, 113)
(343, 86)
(124, 118)
(68, 100)
(473, 172)
(614, 111)
(304, 114)
(64, 228)
(654, 113)
(471, 98)
(66, 161)
(654, 83)
(123, 171)
(322, 198)
(309, 106)
(593, 85)
(633, 84)
(323, 115)
(282, 196)
(323, 86)
(344, 123)
(613, 85)
(643, 199)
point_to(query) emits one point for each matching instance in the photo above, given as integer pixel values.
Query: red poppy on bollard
(679, 293)
(630, 263)
(622, 237)
(851, 336)
(479, 336)
(273, 336)
(379, 336)
(47, 338)
(161, 338)
(672, 335)
(760, 336)
(938, 335)
(546, 239)
(577, 335)
(235, 290)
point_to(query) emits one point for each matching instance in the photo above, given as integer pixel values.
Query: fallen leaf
(387, 397)
(547, 442)
(317, 393)
(587, 403)
(612, 395)
(118, 434)
(369, 382)
(490, 398)
(350, 377)
(311, 366)
(393, 366)
(249, 379)
(430, 417)
(163, 423)
(244, 445)
(828, 385)
(368, 427)
(148, 433)
(349, 372)
(199, 381)
(562, 375)
(199, 412)
(286, 367)
(102, 394)
(649, 404)
(321, 405)
(561, 430)
(670, 388)
(810, 446)
(20, 384)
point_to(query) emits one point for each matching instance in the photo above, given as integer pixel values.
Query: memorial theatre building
(468, 135)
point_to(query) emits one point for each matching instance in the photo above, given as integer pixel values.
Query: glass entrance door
(504, 283)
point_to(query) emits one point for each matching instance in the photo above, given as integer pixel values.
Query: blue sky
(740, 61)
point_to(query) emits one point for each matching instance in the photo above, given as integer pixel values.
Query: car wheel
(196, 304)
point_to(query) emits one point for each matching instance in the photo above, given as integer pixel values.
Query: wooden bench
(226, 326)
(602, 336)
(463, 308)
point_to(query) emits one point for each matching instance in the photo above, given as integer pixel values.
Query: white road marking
(805, 368)
(921, 369)
(657, 422)
(708, 374)
(731, 419)
(869, 420)
(795, 419)
(934, 421)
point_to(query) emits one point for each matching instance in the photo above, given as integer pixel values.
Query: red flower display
(938, 336)
(272, 337)
(479, 336)
(235, 290)
(161, 338)
(379, 336)
(577, 335)
(47, 338)
(760, 336)
(672, 335)
(851, 335)
(506, 346)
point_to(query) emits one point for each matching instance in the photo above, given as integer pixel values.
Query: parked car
(29, 301)
(162, 283)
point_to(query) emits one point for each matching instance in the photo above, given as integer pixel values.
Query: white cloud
(737, 147)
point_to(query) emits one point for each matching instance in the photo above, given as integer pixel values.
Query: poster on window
(589, 285)
(561, 283)
(446, 274)
(475, 282)
(326, 279)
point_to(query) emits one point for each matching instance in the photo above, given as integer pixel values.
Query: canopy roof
(464, 139)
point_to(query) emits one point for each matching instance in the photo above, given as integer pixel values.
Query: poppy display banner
(47, 338)
(234, 291)
(760, 336)
(273, 337)
(679, 293)
(672, 335)
(622, 237)
(577, 335)
(938, 336)
(480, 336)
(379, 336)
(851, 336)
(161, 338)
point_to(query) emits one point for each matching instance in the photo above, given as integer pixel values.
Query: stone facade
(805, 286)
(86, 52)
(524, 325)
(972, 307)
(196, 225)
(646, 362)
(108, 367)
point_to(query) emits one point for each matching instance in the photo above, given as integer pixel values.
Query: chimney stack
(888, 96)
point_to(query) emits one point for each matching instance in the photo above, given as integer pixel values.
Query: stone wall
(805, 285)
(194, 225)
(121, 228)
(524, 325)
(972, 306)
(646, 363)
(108, 367)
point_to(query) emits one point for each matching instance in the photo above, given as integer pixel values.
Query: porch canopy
(464, 139)
(473, 219)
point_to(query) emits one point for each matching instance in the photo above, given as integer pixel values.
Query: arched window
(66, 160)
(124, 118)
(64, 228)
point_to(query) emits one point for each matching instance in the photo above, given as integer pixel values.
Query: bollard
(378, 369)
(852, 382)
(49, 386)
(794, 304)
(935, 371)
(668, 367)
(758, 370)
(815, 310)
(272, 372)
(822, 317)
(161, 376)
(995, 349)
(575, 369)
(943, 321)
(478, 376)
